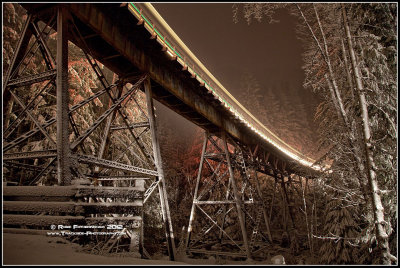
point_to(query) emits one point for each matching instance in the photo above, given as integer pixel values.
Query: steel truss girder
(48, 168)
(51, 121)
(14, 124)
(20, 52)
(222, 229)
(112, 164)
(23, 166)
(134, 125)
(30, 133)
(44, 49)
(89, 99)
(121, 178)
(19, 101)
(162, 189)
(30, 155)
(58, 76)
(31, 79)
(208, 228)
(106, 114)
(105, 84)
(239, 160)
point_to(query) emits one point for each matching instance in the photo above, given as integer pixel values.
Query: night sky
(271, 52)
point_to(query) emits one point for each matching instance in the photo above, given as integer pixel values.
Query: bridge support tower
(228, 215)
(48, 139)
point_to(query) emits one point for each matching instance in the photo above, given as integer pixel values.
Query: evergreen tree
(351, 63)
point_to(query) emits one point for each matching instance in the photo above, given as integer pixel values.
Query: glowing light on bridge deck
(169, 52)
(172, 52)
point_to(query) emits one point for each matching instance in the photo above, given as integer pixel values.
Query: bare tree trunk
(381, 235)
(272, 204)
(346, 65)
(303, 190)
(336, 98)
(331, 75)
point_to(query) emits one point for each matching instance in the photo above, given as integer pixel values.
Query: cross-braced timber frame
(91, 153)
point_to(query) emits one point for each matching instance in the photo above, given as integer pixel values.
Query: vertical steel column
(237, 197)
(224, 212)
(106, 134)
(272, 202)
(263, 205)
(136, 242)
(192, 212)
(287, 201)
(63, 146)
(161, 186)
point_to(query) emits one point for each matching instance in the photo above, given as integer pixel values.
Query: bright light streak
(172, 36)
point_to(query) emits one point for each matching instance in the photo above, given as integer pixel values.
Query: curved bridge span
(133, 38)
(113, 173)
(174, 46)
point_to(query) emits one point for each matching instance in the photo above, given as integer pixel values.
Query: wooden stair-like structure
(41, 209)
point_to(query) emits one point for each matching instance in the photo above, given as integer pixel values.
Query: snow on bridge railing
(170, 41)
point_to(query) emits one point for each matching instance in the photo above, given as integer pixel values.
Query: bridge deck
(114, 38)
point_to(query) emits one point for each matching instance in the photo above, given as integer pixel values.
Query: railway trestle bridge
(77, 176)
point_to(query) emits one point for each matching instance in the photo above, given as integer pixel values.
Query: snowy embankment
(39, 249)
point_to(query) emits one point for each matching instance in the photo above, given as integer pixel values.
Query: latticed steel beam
(32, 118)
(64, 175)
(89, 99)
(97, 70)
(47, 56)
(49, 122)
(223, 202)
(19, 52)
(40, 42)
(112, 164)
(196, 189)
(134, 125)
(48, 168)
(162, 189)
(237, 197)
(30, 133)
(150, 190)
(222, 230)
(30, 155)
(31, 79)
(208, 188)
(14, 124)
(128, 148)
(121, 178)
(62, 158)
(101, 118)
(236, 200)
(106, 133)
(208, 228)
(120, 154)
(19, 165)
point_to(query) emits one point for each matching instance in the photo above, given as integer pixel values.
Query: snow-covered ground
(39, 249)
(19, 249)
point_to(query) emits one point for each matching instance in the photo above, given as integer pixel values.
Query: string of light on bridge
(291, 152)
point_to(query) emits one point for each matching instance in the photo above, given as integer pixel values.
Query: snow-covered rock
(278, 259)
